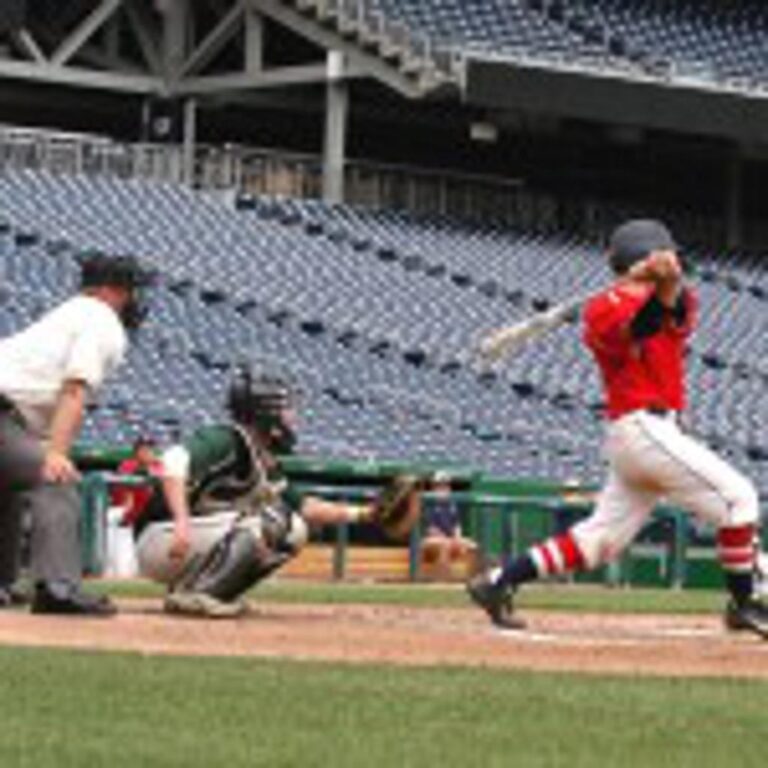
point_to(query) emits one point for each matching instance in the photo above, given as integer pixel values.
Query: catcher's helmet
(98, 270)
(634, 240)
(263, 402)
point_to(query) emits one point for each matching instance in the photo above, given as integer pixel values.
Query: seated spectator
(133, 499)
(444, 545)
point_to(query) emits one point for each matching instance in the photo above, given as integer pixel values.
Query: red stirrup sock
(555, 556)
(737, 553)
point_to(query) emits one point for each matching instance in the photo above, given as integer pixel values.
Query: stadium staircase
(397, 45)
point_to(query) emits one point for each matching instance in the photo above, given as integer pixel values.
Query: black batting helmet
(631, 242)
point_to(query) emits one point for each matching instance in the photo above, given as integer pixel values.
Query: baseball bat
(509, 340)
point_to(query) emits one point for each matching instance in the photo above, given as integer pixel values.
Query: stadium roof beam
(336, 129)
(216, 39)
(109, 72)
(28, 46)
(83, 33)
(145, 33)
(279, 77)
(176, 37)
(79, 76)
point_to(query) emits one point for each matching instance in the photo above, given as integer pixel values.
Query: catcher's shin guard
(283, 529)
(233, 565)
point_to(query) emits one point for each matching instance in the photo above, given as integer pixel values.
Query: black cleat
(68, 600)
(750, 616)
(497, 602)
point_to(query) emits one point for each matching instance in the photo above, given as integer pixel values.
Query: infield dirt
(587, 643)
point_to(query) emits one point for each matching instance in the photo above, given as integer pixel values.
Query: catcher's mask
(266, 403)
(98, 270)
(634, 240)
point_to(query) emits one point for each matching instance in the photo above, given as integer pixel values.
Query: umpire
(49, 373)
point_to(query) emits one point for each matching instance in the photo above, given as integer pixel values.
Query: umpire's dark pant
(54, 509)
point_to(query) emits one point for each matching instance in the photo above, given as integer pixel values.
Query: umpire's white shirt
(82, 339)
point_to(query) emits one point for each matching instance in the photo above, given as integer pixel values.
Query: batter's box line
(555, 638)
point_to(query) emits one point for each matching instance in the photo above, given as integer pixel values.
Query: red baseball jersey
(134, 498)
(637, 374)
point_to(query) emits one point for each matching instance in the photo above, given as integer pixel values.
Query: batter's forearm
(67, 417)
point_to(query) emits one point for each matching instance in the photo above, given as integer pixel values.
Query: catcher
(223, 518)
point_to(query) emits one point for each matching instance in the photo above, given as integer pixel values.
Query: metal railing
(484, 510)
(255, 171)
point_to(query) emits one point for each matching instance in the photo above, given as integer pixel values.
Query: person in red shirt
(134, 498)
(637, 331)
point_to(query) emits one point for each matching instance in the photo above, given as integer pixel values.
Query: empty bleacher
(373, 313)
(711, 41)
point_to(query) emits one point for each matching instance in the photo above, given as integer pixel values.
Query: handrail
(280, 173)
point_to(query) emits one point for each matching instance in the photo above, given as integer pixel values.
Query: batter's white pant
(154, 543)
(651, 459)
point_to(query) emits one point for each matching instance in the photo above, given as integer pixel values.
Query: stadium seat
(378, 338)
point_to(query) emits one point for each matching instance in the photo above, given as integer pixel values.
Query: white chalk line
(646, 639)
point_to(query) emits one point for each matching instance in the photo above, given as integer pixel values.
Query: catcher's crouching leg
(212, 585)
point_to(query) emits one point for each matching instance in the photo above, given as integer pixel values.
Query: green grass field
(549, 597)
(63, 709)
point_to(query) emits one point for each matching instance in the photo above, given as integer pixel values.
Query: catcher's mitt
(396, 510)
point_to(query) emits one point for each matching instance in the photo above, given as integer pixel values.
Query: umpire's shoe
(496, 601)
(749, 616)
(12, 596)
(63, 598)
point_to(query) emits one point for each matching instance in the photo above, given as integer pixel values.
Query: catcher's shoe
(13, 595)
(203, 605)
(496, 601)
(750, 616)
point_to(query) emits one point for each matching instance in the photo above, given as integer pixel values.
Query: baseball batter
(637, 332)
(224, 518)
